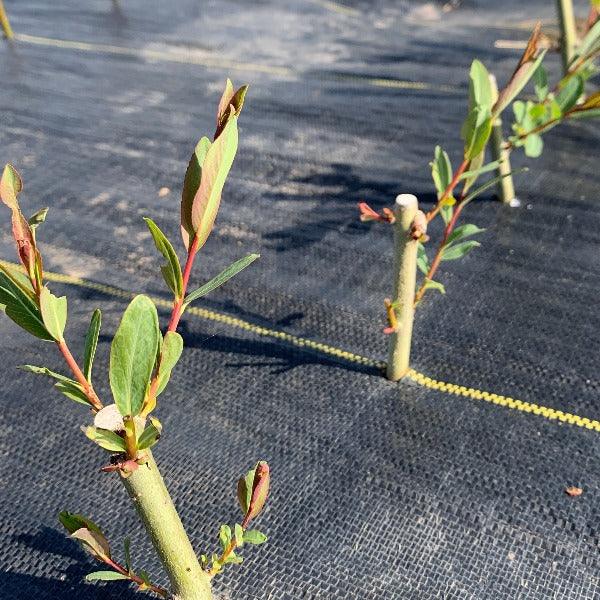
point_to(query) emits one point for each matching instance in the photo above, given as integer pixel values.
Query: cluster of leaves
(252, 492)
(142, 358)
(93, 540)
(455, 187)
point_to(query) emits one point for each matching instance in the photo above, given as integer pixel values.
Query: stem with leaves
(141, 361)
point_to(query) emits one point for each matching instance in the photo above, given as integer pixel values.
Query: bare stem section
(153, 503)
(506, 187)
(404, 286)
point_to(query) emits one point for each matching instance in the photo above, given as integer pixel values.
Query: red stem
(436, 209)
(85, 384)
(120, 569)
(189, 263)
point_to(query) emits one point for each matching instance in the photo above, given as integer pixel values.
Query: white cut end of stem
(406, 201)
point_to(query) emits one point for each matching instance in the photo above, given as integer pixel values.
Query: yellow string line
(413, 375)
(178, 56)
(338, 8)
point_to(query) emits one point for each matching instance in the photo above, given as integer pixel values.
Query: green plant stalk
(8, 32)
(506, 187)
(153, 503)
(405, 277)
(568, 38)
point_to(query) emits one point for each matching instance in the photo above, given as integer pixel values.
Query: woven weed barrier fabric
(380, 490)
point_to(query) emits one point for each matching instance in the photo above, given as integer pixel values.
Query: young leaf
(260, 491)
(106, 439)
(430, 284)
(72, 522)
(221, 278)
(105, 576)
(215, 168)
(491, 166)
(37, 218)
(229, 99)
(488, 184)
(20, 307)
(127, 553)
(171, 351)
(459, 250)
(441, 170)
(94, 542)
(172, 270)
(54, 313)
(224, 536)
(150, 435)
(569, 93)
(239, 535)
(463, 232)
(476, 132)
(191, 183)
(422, 260)
(540, 82)
(255, 537)
(534, 145)
(244, 490)
(133, 354)
(91, 343)
(73, 391)
(480, 89)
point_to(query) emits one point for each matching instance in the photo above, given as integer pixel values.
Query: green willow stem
(405, 269)
(568, 37)
(506, 187)
(155, 507)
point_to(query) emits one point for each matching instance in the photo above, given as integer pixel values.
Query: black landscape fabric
(380, 490)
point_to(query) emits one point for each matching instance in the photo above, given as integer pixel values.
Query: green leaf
(534, 145)
(11, 186)
(518, 81)
(491, 166)
(239, 535)
(191, 183)
(172, 270)
(476, 132)
(106, 439)
(91, 343)
(569, 93)
(221, 278)
(73, 391)
(94, 542)
(540, 82)
(73, 521)
(430, 284)
(105, 576)
(422, 260)
(37, 218)
(459, 250)
(133, 354)
(127, 553)
(244, 490)
(441, 170)
(54, 313)
(20, 306)
(171, 351)
(255, 537)
(47, 372)
(480, 89)
(462, 232)
(150, 435)
(233, 558)
(590, 43)
(488, 184)
(215, 168)
(224, 536)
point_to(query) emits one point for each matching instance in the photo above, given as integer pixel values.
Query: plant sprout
(533, 117)
(142, 359)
